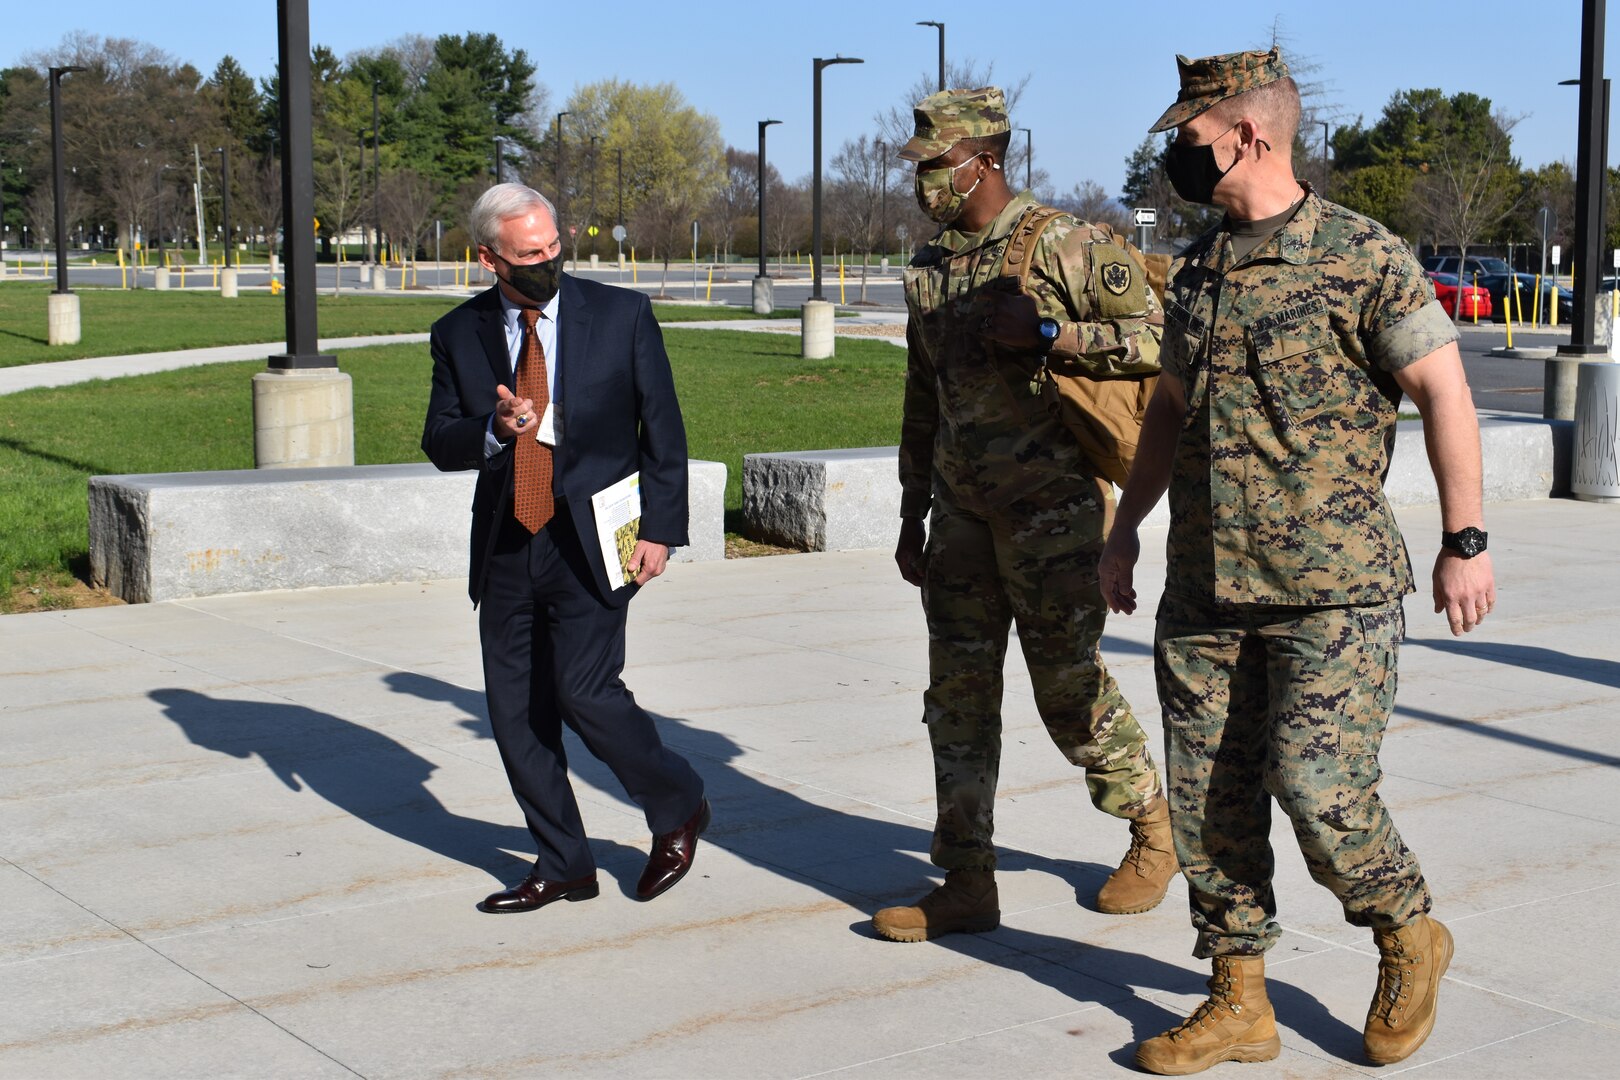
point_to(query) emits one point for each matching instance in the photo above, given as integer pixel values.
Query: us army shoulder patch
(1115, 277)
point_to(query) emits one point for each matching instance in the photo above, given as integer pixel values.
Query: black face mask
(1192, 170)
(535, 281)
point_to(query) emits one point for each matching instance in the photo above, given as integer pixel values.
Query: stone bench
(167, 536)
(833, 500)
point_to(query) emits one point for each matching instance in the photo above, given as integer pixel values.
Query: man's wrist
(1466, 542)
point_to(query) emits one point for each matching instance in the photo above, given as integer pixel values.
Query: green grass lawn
(116, 322)
(740, 393)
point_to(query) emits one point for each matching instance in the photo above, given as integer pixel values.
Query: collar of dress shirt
(510, 311)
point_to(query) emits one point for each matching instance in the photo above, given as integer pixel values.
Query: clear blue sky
(1088, 105)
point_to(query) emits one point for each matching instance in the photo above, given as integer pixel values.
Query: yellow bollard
(840, 281)
(215, 268)
(1518, 302)
(1535, 304)
(123, 279)
(1552, 303)
(1473, 299)
(708, 290)
(634, 279)
(1507, 303)
(182, 274)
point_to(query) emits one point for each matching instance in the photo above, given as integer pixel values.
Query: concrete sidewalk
(244, 836)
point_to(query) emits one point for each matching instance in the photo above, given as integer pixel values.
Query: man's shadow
(780, 831)
(356, 769)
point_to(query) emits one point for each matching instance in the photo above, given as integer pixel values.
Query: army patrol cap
(946, 118)
(1215, 78)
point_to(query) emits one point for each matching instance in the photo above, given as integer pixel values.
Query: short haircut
(1275, 105)
(994, 145)
(502, 203)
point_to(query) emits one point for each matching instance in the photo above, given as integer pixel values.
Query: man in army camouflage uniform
(1291, 331)
(1016, 514)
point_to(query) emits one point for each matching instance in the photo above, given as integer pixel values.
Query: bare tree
(856, 196)
(40, 208)
(787, 214)
(665, 218)
(737, 198)
(407, 200)
(1468, 187)
(1088, 201)
(258, 186)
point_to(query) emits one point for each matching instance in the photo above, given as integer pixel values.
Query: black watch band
(1465, 542)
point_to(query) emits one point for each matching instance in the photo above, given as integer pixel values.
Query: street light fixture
(763, 124)
(59, 177)
(1591, 160)
(376, 169)
(558, 193)
(815, 196)
(224, 153)
(883, 198)
(941, 27)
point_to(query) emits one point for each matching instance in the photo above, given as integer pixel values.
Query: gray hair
(501, 203)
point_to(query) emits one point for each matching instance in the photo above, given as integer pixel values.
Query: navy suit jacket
(619, 410)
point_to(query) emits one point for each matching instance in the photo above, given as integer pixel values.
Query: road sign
(619, 234)
(1556, 252)
(592, 231)
(1146, 217)
(901, 232)
(573, 230)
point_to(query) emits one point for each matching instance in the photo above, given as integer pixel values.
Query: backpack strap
(1021, 243)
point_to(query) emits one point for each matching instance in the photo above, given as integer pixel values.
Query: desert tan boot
(1411, 960)
(1235, 1024)
(967, 903)
(1144, 875)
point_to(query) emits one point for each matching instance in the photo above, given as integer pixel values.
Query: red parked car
(1476, 299)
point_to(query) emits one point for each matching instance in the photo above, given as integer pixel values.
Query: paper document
(618, 524)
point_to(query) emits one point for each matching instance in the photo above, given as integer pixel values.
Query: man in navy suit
(555, 388)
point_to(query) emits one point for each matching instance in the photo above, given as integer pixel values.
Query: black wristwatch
(1049, 330)
(1465, 542)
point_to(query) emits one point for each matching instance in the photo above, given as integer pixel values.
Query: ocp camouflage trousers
(1267, 703)
(1033, 563)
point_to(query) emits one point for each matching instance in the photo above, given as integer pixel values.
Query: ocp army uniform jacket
(1288, 358)
(972, 413)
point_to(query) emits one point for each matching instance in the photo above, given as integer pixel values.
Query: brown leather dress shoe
(536, 893)
(672, 855)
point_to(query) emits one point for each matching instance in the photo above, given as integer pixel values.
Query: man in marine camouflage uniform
(1016, 513)
(1291, 331)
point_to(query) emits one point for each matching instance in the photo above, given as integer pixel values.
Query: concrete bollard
(160, 279)
(302, 417)
(816, 327)
(275, 264)
(1558, 388)
(595, 260)
(379, 278)
(1594, 474)
(227, 283)
(764, 296)
(62, 315)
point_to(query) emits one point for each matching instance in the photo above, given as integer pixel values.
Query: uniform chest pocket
(1298, 370)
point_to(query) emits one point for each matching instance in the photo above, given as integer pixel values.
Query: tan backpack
(1104, 415)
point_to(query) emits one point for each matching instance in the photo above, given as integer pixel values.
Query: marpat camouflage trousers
(1288, 703)
(1033, 563)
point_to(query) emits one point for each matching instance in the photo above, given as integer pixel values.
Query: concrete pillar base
(379, 279)
(1558, 388)
(1594, 475)
(160, 279)
(275, 264)
(227, 283)
(302, 418)
(816, 328)
(595, 261)
(621, 262)
(62, 314)
(764, 296)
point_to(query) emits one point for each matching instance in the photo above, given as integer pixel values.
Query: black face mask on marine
(535, 281)
(1192, 170)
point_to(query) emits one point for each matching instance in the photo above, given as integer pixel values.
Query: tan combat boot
(966, 903)
(1144, 875)
(1411, 960)
(1235, 1024)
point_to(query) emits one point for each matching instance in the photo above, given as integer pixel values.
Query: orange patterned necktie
(531, 482)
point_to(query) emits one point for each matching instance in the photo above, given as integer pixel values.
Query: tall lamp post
(1325, 167)
(1029, 157)
(817, 315)
(62, 307)
(883, 198)
(559, 193)
(376, 173)
(764, 293)
(497, 159)
(303, 407)
(941, 28)
(224, 153)
(1592, 156)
